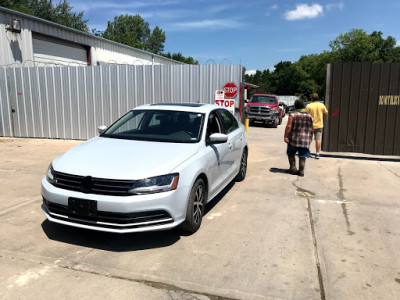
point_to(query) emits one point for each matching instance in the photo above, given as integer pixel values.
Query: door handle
(230, 145)
(13, 110)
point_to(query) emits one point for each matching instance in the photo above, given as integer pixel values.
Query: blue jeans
(303, 152)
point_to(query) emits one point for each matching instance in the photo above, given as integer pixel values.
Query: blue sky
(255, 33)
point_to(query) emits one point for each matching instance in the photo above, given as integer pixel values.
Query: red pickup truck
(264, 108)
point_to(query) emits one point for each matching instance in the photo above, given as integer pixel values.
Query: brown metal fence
(363, 100)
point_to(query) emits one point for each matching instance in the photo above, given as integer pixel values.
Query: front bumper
(262, 117)
(119, 214)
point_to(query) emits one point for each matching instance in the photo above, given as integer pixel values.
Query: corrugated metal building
(29, 41)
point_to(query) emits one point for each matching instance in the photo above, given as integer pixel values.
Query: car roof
(269, 95)
(190, 107)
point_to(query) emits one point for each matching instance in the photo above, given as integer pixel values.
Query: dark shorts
(303, 152)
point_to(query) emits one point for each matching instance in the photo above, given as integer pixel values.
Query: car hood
(261, 104)
(123, 159)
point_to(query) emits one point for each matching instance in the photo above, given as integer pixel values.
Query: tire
(243, 167)
(275, 123)
(251, 122)
(195, 208)
(280, 121)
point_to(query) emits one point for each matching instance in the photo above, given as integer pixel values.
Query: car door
(235, 141)
(216, 156)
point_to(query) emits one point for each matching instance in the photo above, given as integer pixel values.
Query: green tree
(61, 13)
(135, 32)
(179, 57)
(358, 46)
(64, 15)
(314, 67)
(155, 42)
(263, 80)
(129, 30)
(286, 78)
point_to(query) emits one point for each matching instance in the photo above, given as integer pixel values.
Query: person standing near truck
(318, 111)
(298, 136)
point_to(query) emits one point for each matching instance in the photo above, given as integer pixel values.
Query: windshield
(263, 99)
(157, 125)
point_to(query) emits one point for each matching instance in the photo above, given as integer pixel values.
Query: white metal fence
(70, 102)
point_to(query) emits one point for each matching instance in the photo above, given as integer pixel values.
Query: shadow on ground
(278, 170)
(261, 124)
(328, 155)
(121, 242)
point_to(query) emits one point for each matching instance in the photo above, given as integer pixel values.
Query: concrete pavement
(333, 234)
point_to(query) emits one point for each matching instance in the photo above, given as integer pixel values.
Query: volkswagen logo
(87, 184)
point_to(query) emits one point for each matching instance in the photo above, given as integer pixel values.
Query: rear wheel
(195, 208)
(243, 167)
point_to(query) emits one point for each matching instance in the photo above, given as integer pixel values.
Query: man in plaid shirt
(298, 135)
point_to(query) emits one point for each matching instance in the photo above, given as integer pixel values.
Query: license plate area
(82, 207)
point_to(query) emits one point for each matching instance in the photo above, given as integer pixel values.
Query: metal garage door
(48, 51)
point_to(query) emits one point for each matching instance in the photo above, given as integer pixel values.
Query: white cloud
(398, 43)
(251, 72)
(304, 11)
(271, 9)
(86, 6)
(205, 24)
(144, 16)
(333, 6)
(219, 8)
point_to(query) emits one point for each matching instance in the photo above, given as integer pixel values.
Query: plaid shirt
(302, 129)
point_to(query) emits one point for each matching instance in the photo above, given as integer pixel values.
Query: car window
(228, 120)
(213, 124)
(128, 123)
(158, 125)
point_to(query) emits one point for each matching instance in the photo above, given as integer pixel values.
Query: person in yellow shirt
(318, 111)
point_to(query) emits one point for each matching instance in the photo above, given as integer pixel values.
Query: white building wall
(107, 57)
(15, 48)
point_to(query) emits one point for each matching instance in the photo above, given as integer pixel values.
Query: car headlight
(275, 110)
(50, 174)
(156, 184)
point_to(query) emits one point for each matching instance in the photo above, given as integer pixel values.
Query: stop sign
(230, 90)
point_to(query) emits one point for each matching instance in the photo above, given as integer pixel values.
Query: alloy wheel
(198, 204)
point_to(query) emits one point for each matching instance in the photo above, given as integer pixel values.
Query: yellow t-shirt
(317, 111)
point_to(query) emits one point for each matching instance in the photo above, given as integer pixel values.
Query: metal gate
(70, 102)
(363, 100)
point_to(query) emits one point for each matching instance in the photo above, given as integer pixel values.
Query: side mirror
(246, 100)
(217, 138)
(101, 128)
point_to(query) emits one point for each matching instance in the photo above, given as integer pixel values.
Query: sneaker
(316, 155)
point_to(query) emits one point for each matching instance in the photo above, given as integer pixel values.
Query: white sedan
(153, 169)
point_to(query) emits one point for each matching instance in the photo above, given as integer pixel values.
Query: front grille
(110, 219)
(87, 184)
(260, 109)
